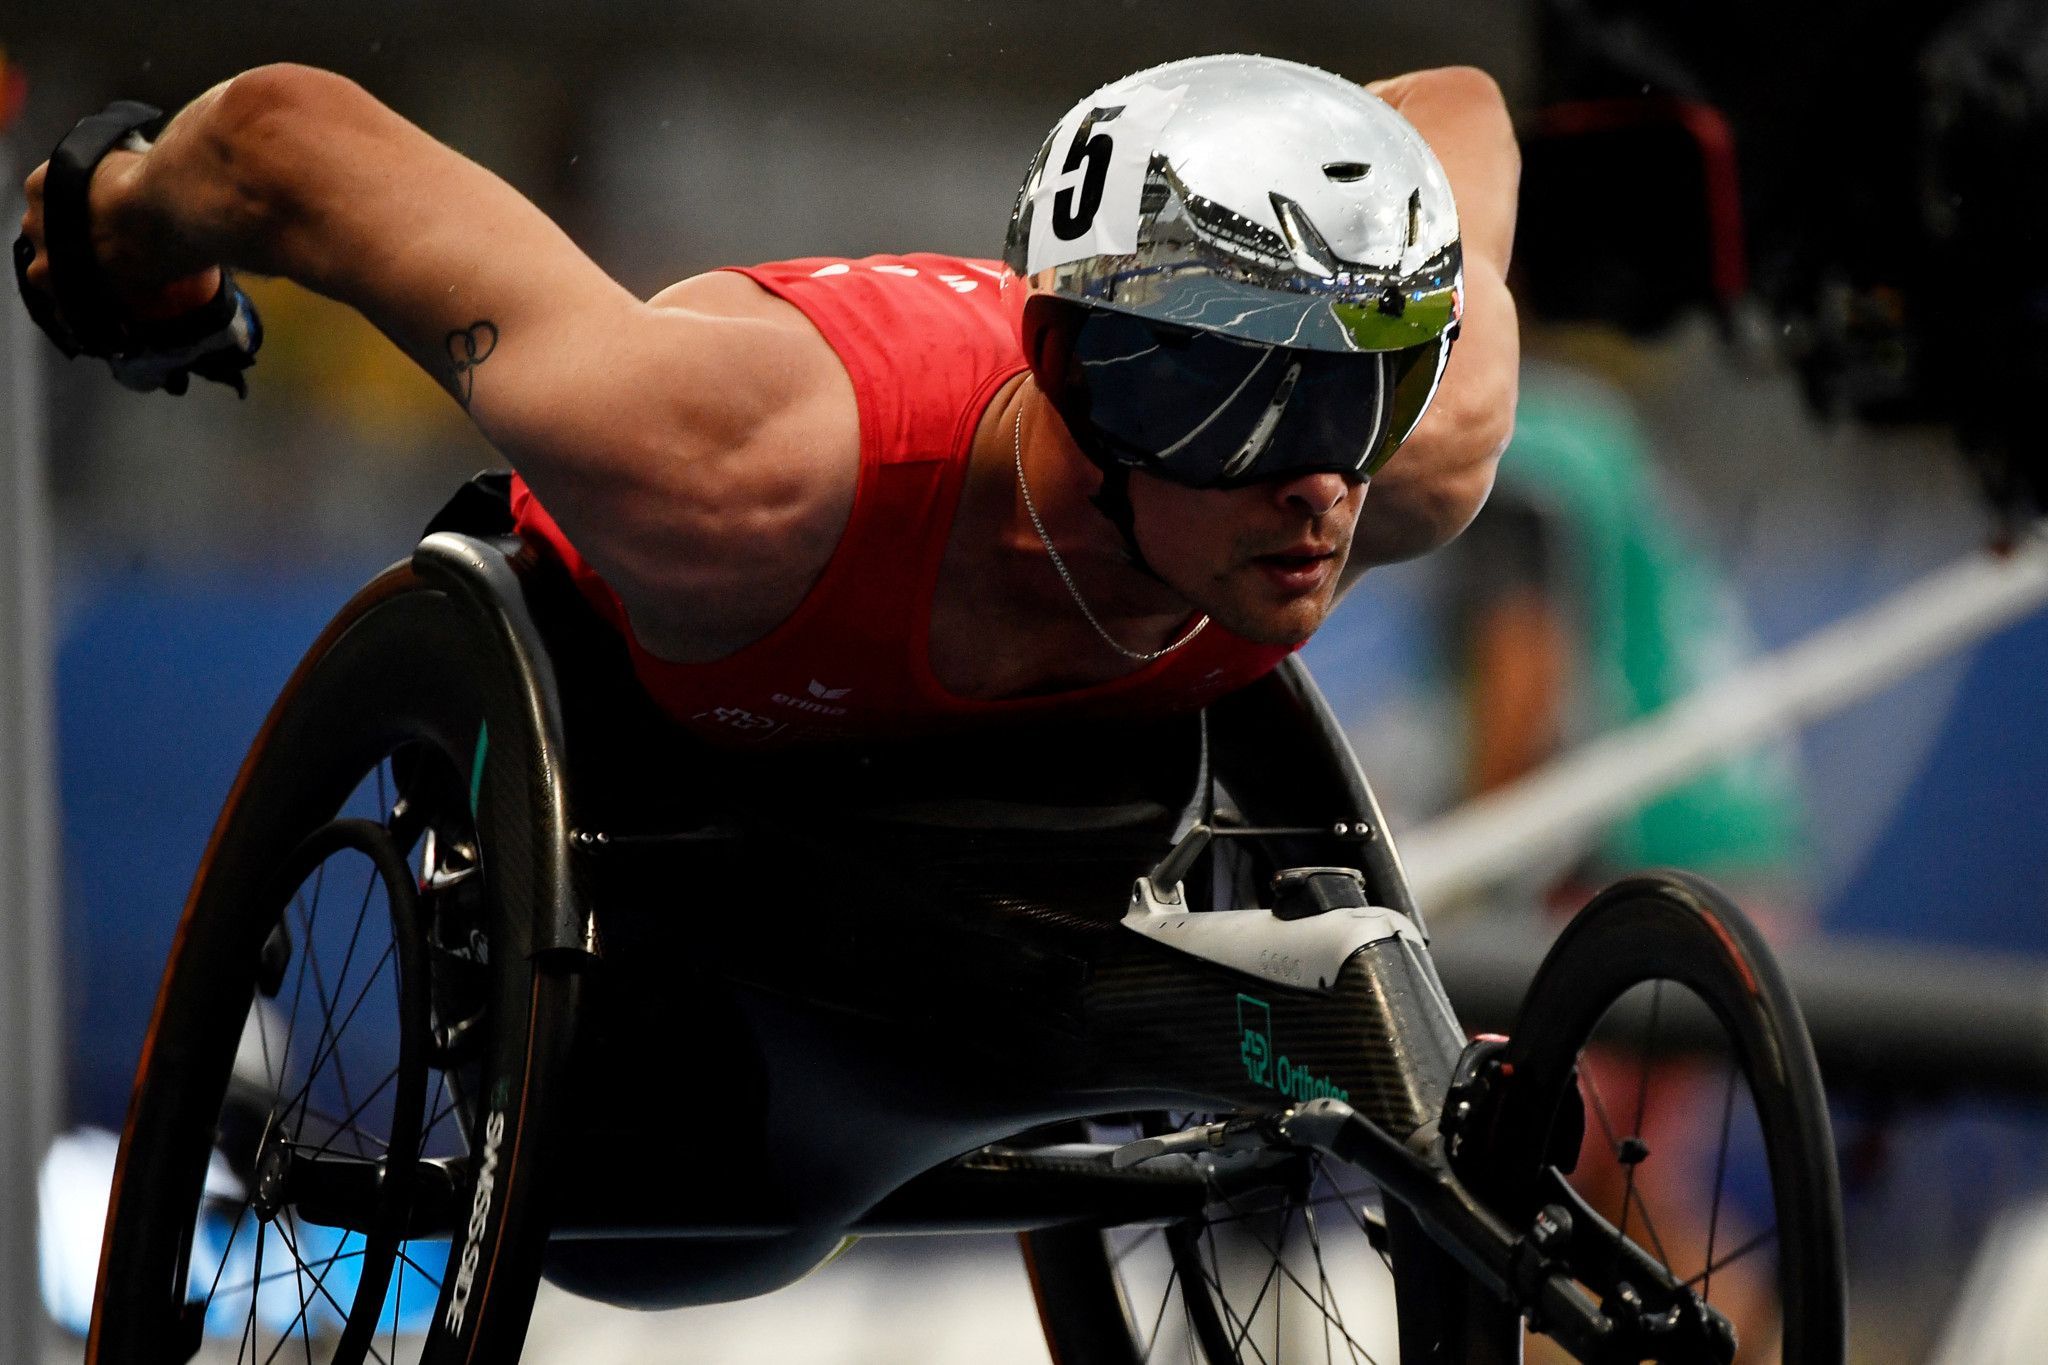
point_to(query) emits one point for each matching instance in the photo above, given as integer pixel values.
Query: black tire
(1661, 996)
(405, 719)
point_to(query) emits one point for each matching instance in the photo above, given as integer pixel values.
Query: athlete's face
(1263, 561)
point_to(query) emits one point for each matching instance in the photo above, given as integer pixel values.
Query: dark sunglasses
(1208, 411)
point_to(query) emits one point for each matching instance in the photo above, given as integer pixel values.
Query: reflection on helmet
(1237, 268)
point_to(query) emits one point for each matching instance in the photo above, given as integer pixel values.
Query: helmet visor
(1209, 411)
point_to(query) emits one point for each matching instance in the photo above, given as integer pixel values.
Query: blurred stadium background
(1746, 413)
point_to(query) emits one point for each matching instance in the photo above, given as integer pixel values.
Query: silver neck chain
(1017, 446)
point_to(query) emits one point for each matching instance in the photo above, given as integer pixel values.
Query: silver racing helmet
(1236, 268)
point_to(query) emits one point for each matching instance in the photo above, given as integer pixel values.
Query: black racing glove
(81, 313)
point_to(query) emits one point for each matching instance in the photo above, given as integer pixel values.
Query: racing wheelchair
(489, 973)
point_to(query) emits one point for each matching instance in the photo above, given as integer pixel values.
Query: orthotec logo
(1264, 1066)
(479, 1215)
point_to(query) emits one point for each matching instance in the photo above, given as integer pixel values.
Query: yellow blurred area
(1601, 349)
(324, 355)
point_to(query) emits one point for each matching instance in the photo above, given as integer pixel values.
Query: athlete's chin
(1282, 634)
(1253, 607)
(1268, 625)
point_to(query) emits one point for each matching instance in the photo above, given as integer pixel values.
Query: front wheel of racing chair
(1660, 1079)
(1700, 1213)
(333, 1145)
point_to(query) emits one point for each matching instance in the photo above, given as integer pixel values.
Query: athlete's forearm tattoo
(468, 348)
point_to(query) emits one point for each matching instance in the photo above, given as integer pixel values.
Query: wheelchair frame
(1135, 1022)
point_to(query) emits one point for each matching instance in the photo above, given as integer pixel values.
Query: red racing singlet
(927, 342)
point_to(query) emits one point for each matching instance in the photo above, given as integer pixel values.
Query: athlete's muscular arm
(1437, 481)
(701, 454)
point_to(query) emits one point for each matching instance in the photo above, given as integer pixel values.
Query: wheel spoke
(436, 1111)
(321, 1057)
(225, 1252)
(309, 956)
(1341, 1197)
(338, 1009)
(370, 885)
(1239, 1217)
(329, 1043)
(1720, 1176)
(255, 1293)
(1649, 1051)
(298, 1321)
(1631, 1200)
(349, 1120)
(305, 1327)
(429, 1276)
(291, 1019)
(320, 1287)
(1242, 1325)
(320, 978)
(276, 1275)
(1281, 1268)
(1753, 1244)
(1152, 1337)
(1326, 1300)
(1650, 1227)
(398, 1299)
(1629, 1196)
(1215, 1278)
(1324, 1303)
(1326, 1296)
(336, 1124)
(1280, 1259)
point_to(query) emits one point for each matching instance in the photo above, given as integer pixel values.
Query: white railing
(1568, 800)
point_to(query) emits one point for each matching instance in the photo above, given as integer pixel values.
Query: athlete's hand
(156, 333)
(147, 302)
(151, 302)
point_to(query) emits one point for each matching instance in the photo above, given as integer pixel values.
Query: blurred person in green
(1582, 604)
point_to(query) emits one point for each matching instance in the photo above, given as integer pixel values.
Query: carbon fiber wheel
(329, 1137)
(1660, 1076)
(330, 1152)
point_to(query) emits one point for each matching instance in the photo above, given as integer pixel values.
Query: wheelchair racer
(1125, 469)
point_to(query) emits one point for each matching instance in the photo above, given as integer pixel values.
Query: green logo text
(1265, 1066)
